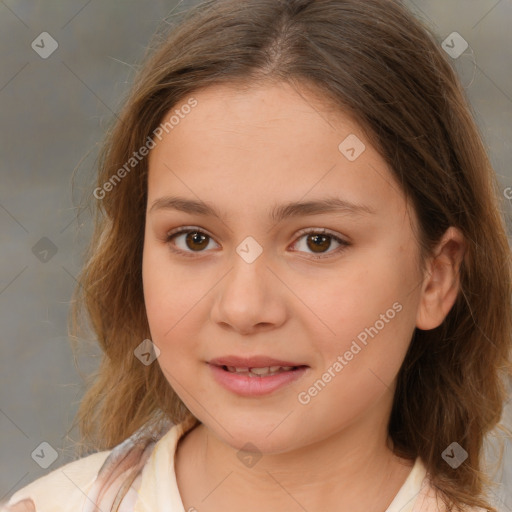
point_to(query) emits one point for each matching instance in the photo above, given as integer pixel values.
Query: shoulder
(62, 489)
(94, 480)
(430, 500)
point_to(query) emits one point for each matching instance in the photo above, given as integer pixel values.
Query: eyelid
(187, 229)
(321, 231)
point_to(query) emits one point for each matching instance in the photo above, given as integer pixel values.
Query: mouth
(255, 376)
(233, 363)
(261, 372)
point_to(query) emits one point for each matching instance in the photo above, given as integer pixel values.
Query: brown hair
(371, 59)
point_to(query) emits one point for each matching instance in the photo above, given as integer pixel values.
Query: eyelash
(321, 231)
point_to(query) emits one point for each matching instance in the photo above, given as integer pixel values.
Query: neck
(352, 469)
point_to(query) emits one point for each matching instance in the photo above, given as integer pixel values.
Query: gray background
(55, 112)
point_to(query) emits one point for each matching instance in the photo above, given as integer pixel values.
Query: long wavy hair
(373, 60)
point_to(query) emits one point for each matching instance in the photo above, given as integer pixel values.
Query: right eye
(194, 240)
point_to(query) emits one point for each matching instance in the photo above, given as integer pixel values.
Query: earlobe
(441, 283)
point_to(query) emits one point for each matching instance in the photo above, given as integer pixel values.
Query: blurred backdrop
(65, 68)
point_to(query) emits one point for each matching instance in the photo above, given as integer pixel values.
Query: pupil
(197, 238)
(316, 245)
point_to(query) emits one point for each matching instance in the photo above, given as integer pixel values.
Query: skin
(244, 151)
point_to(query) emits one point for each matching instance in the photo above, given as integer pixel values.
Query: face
(332, 291)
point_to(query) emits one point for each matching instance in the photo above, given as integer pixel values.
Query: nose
(250, 298)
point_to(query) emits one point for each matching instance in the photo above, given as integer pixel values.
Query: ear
(441, 283)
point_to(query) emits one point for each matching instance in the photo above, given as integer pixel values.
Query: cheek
(166, 293)
(370, 312)
(175, 306)
(360, 367)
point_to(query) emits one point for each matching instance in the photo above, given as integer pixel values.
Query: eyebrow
(277, 213)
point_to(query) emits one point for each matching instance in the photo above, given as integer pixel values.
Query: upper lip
(251, 362)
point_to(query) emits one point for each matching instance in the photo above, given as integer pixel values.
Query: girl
(299, 275)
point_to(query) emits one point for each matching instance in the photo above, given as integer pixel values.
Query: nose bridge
(249, 265)
(246, 296)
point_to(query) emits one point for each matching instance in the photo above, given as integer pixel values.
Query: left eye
(318, 241)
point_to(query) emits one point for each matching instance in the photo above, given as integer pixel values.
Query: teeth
(264, 371)
(251, 372)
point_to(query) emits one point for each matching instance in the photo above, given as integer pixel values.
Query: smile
(256, 381)
(259, 372)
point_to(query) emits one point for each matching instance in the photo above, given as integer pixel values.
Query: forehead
(266, 142)
(269, 105)
(255, 125)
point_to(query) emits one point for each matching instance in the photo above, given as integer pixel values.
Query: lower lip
(255, 386)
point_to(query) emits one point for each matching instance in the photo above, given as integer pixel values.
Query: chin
(269, 435)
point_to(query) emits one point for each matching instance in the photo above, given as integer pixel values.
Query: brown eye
(188, 241)
(319, 242)
(196, 240)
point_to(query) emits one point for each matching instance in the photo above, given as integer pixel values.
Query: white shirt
(76, 485)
